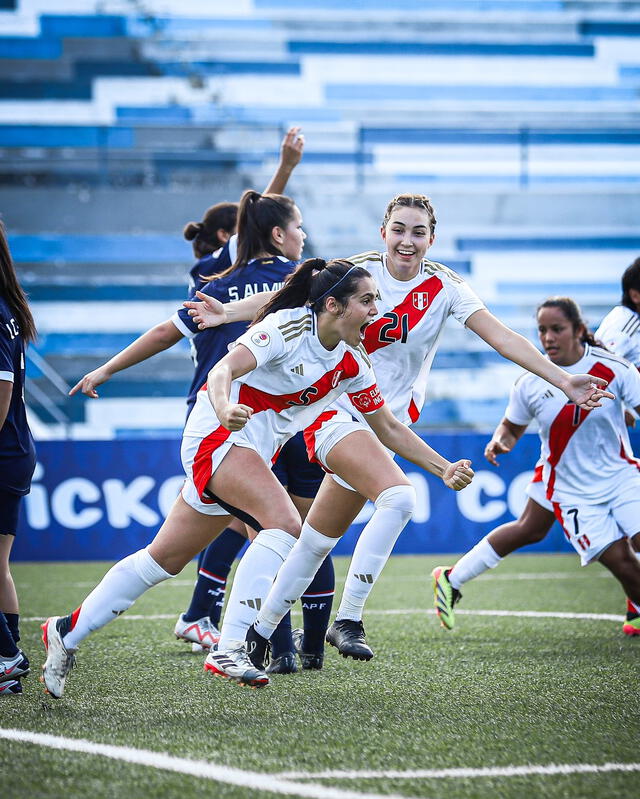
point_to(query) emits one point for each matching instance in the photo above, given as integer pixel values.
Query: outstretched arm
(290, 155)
(159, 338)
(586, 391)
(504, 439)
(210, 312)
(399, 438)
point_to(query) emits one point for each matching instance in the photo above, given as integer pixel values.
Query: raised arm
(210, 312)
(290, 155)
(159, 338)
(585, 390)
(504, 439)
(399, 438)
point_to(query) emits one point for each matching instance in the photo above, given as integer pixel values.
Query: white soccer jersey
(295, 379)
(586, 454)
(403, 340)
(619, 331)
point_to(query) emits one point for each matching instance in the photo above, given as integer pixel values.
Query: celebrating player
(589, 474)
(303, 353)
(416, 296)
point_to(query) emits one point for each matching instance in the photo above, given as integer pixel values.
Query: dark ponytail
(312, 282)
(572, 312)
(258, 214)
(204, 235)
(13, 293)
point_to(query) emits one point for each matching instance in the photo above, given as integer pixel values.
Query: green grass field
(498, 693)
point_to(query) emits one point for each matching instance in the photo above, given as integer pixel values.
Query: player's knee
(400, 498)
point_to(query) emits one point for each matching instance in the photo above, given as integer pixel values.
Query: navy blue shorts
(294, 470)
(9, 512)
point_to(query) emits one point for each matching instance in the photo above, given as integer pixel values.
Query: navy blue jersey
(17, 452)
(209, 346)
(211, 264)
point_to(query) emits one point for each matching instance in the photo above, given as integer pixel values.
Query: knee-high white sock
(117, 591)
(477, 560)
(253, 579)
(394, 507)
(294, 577)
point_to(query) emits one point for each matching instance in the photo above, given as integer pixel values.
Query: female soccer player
(303, 352)
(17, 458)
(416, 296)
(269, 244)
(619, 331)
(589, 473)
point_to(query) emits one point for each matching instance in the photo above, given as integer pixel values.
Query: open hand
(209, 312)
(587, 391)
(458, 475)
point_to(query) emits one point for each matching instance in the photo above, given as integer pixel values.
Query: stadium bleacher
(116, 127)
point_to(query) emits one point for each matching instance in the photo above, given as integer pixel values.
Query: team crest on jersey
(260, 339)
(336, 378)
(420, 300)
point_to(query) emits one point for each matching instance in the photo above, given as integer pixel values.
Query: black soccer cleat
(258, 648)
(349, 639)
(308, 660)
(284, 664)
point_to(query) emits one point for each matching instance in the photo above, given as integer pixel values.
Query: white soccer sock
(477, 560)
(294, 577)
(253, 579)
(394, 507)
(117, 591)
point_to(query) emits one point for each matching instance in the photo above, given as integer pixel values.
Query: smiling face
(290, 239)
(559, 339)
(408, 236)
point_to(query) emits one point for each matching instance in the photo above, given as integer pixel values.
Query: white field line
(457, 773)
(529, 614)
(195, 768)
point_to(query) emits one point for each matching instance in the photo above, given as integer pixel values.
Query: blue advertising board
(101, 500)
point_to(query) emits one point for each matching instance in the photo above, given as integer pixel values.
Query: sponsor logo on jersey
(420, 300)
(547, 395)
(368, 398)
(260, 339)
(298, 370)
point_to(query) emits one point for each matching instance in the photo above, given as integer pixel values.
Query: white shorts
(327, 430)
(537, 492)
(590, 529)
(200, 462)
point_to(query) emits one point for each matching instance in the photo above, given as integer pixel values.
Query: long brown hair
(312, 282)
(258, 214)
(13, 293)
(630, 280)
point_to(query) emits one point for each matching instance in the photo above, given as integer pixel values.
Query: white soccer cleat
(59, 660)
(234, 664)
(11, 668)
(201, 632)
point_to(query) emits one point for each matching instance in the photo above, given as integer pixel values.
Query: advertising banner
(101, 500)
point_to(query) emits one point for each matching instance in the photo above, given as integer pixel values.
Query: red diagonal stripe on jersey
(566, 423)
(380, 333)
(263, 401)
